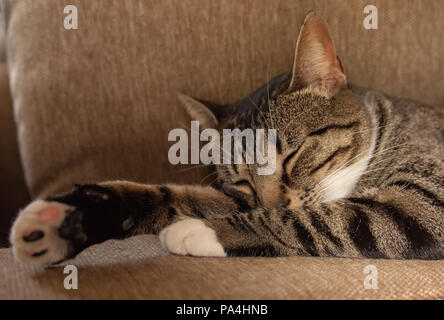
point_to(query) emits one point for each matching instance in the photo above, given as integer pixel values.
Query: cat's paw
(35, 234)
(191, 237)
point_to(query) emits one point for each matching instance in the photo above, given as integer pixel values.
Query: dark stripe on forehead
(333, 126)
(287, 159)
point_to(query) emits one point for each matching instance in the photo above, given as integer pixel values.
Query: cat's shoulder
(374, 100)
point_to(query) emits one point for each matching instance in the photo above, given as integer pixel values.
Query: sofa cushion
(139, 268)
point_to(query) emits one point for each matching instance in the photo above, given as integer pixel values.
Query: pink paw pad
(50, 214)
(36, 254)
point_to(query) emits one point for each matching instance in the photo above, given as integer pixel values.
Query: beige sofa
(97, 103)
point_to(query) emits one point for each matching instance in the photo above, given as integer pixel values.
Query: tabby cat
(357, 175)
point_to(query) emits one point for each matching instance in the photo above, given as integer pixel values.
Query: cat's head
(320, 127)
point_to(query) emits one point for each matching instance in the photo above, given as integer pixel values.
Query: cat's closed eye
(245, 186)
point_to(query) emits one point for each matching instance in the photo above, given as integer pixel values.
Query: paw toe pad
(50, 214)
(33, 236)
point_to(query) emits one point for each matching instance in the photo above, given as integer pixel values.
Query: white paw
(193, 237)
(34, 235)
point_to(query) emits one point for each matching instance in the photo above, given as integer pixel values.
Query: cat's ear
(315, 63)
(206, 113)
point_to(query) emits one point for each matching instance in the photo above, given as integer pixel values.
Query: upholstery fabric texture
(138, 268)
(97, 104)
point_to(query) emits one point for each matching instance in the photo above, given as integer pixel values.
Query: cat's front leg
(59, 227)
(392, 223)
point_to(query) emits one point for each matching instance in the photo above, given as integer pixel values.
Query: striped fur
(359, 175)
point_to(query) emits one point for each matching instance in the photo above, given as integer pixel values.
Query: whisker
(328, 190)
(347, 162)
(196, 166)
(268, 96)
(203, 179)
(214, 180)
(262, 114)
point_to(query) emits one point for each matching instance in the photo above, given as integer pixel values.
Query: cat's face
(320, 128)
(317, 136)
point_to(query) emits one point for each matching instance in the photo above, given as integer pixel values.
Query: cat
(358, 175)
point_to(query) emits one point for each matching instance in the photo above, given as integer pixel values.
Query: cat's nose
(290, 201)
(285, 203)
